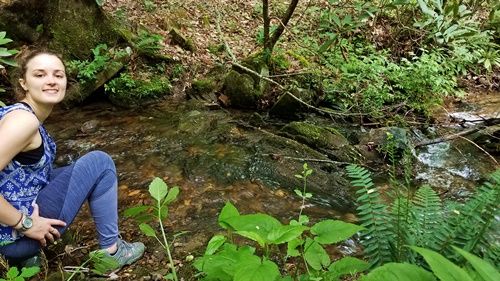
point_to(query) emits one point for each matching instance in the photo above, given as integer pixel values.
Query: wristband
(20, 219)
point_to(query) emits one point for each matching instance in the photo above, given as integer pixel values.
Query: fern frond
(427, 215)
(469, 224)
(373, 214)
(401, 210)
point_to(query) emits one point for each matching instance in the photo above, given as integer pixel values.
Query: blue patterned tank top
(20, 184)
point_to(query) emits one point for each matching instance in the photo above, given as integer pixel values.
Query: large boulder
(69, 27)
(326, 139)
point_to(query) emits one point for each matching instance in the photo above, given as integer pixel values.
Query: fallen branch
(476, 145)
(449, 137)
(278, 156)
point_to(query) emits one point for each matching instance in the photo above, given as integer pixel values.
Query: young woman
(37, 202)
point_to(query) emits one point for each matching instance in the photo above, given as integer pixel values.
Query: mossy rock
(241, 90)
(201, 88)
(289, 107)
(181, 40)
(315, 135)
(208, 87)
(377, 142)
(76, 27)
(326, 139)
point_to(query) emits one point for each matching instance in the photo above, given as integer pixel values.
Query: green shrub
(86, 70)
(129, 91)
(5, 55)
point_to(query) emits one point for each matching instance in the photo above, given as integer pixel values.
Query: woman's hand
(43, 228)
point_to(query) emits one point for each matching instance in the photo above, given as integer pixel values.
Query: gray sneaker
(126, 253)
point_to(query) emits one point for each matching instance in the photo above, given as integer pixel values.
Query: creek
(215, 155)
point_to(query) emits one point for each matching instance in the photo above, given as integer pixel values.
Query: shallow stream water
(213, 160)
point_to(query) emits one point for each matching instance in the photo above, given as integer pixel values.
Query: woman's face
(45, 79)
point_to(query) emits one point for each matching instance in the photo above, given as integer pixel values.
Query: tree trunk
(267, 43)
(284, 22)
(270, 42)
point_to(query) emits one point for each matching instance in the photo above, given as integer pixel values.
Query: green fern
(468, 225)
(373, 214)
(402, 226)
(427, 215)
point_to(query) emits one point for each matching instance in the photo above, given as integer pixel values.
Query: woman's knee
(99, 159)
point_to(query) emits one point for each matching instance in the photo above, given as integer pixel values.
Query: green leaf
(308, 172)
(298, 192)
(4, 52)
(348, 265)
(27, 272)
(442, 267)
(333, 231)
(285, 233)
(253, 236)
(4, 41)
(315, 255)
(265, 271)
(102, 262)
(214, 244)
(228, 211)
(398, 272)
(425, 9)
(13, 272)
(134, 211)
(327, 44)
(172, 195)
(485, 269)
(261, 224)
(158, 189)
(164, 213)
(148, 230)
(292, 247)
(224, 264)
(336, 20)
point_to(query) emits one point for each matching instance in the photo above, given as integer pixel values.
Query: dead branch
(305, 159)
(448, 137)
(480, 148)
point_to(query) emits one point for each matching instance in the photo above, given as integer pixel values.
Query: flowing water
(213, 160)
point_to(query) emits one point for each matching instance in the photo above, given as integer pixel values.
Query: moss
(127, 91)
(316, 136)
(240, 90)
(203, 85)
(77, 27)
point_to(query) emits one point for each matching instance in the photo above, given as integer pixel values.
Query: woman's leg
(92, 177)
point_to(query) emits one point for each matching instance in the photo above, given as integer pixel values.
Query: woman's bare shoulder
(19, 119)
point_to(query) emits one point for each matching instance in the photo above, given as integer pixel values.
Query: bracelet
(20, 219)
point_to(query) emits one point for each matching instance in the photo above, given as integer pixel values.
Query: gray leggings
(92, 177)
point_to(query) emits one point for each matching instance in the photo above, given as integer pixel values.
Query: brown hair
(23, 58)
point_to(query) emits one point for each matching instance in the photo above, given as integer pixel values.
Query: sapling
(158, 211)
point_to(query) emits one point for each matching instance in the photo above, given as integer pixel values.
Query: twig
(447, 138)
(476, 145)
(306, 159)
(228, 49)
(290, 74)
